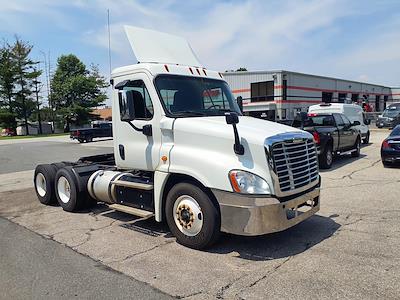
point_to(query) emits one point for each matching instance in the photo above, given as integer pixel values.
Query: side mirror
(368, 122)
(127, 106)
(239, 101)
(356, 123)
(231, 118)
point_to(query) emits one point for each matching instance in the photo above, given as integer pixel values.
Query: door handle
(121, 149)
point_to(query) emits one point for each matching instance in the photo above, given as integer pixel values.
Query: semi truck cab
(184, 153)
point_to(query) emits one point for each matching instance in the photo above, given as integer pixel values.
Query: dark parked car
(390, 117)
(88, 134)
(333, 133)
(390, 149)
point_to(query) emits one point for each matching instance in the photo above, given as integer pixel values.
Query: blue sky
(357, 40)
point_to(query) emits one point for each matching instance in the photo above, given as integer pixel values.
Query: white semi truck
(184, 153)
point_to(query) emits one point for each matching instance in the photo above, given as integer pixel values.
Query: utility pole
(37, 89)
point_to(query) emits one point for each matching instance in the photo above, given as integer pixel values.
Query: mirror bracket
(232, 118)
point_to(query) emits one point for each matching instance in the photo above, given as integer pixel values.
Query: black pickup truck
(333, 134)
(88, 134)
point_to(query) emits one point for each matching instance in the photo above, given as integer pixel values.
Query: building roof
(104, 113)
(299, 73)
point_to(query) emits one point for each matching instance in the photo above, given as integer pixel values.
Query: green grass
(18, 137)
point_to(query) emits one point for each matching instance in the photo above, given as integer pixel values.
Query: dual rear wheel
(56, 183)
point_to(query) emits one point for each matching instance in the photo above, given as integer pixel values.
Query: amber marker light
(164, 158)
(235, 185)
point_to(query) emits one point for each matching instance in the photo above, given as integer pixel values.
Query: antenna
(109, 39)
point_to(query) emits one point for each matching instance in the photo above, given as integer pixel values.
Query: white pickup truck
(184, 153)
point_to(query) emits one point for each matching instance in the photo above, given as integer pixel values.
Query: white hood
(205, 144)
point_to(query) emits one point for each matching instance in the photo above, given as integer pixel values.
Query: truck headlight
(248, 183)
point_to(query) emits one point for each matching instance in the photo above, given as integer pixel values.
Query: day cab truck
(184, 153)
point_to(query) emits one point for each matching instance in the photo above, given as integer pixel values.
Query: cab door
(136, 109)
(349, 132)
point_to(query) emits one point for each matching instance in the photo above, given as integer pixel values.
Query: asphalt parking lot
(350, 249)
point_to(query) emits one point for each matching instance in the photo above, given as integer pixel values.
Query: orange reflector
(164, 158)
(166, 68)
(234, 182)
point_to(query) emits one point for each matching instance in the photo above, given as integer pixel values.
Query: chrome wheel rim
(188, 216)
(41, 184)
(329, 157)
(63, 189)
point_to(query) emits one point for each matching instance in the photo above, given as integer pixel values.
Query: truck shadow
(283, 244)
(342, 160)
(290, 242)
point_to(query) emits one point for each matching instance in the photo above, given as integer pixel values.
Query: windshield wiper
(190, 112)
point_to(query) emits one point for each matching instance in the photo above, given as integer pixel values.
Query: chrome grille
(295, 163)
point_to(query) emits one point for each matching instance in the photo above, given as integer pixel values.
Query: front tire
(192, 216)
(44, 183)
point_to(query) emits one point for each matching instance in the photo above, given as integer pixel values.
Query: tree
(75, 90)
(25, 75)
(7, 77)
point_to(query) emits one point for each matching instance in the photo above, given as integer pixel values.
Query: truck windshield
(185, 96)
(391, 112)
(321, 120)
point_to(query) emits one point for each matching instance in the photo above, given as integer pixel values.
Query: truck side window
(338, 120)
(142, 102)
(346, 121)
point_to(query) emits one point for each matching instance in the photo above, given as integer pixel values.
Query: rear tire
(192, 216)
(326, 158)
(357, 148)
(66, 190)
(366, 140)
(44, 183)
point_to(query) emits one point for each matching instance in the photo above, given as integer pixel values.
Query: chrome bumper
(247, 215)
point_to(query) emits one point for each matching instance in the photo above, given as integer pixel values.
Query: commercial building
(281, 94)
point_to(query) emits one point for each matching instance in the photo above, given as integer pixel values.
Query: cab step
(131, 210)
(134, 185)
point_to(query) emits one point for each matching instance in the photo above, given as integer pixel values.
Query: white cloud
(259, 35)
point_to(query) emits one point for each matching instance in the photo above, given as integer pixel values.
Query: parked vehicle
(98, 130)
(7, 132)
(353, 112)
(333, 134)
(184, 153)
(390, 149)
(390, 117)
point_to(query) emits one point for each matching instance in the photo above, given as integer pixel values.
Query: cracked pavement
(348, 250)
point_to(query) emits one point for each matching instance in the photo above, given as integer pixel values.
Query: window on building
(342, 97)
(327, 97)
(283, 114)
(262, 91)
(284, 90)
(385, 99)
(377, 102)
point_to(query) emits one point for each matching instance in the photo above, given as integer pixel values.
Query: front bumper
(249, 215)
